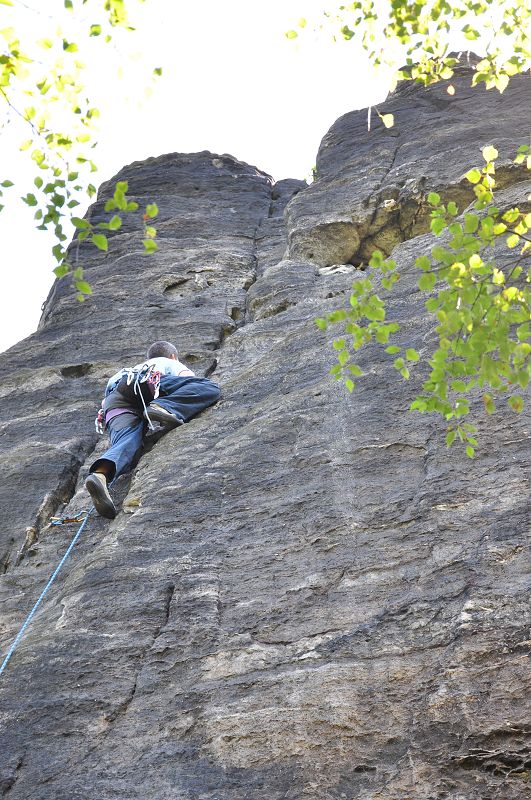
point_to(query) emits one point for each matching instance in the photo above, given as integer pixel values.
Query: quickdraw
(68, 520)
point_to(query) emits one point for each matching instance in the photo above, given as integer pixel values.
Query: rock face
(303, 595)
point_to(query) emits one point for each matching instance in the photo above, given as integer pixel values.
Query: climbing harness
(153, 380)
(139, 387)
(99, 422)
(68, 520)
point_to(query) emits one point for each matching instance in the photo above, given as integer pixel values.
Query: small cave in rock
(236, 313)
(171, 291)
(76, 370)
(190, 358)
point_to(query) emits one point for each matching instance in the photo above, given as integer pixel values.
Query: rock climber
(182, 395)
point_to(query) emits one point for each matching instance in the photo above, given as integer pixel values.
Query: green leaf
(157, 71)
(349, 384)
(488, 402)
(100, 240)
(471, 223)
(115, 223)
(342, 356)
(517, 403)
(150, 245)
(523, 332)
(419, 404)
(499, 228)
(119, 201)
(321, 323)
(440, 254)
(437, 225)
(392, 349)
(470, 33)
(95, 30)
(450, 437)
(84, 287)
(152, 210)
(423, 262)
(30, 199)
(489, 153)
(80, 223)
(470, 451)
(473, 176)
(511, 215)
(58, 252)
(387, 119)
(434, 199)
(452, 208)
(7, 184)
(291, 34)
(61, 270)
(376, 259)
(458, 386)
(427, 282)
(412, 354)
(355, 370)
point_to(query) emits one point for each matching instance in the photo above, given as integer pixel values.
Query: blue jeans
(183, 397)
(186, 397)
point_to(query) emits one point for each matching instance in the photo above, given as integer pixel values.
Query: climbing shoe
(96, 486)
(158, 414)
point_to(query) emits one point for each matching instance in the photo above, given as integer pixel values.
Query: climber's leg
(126, 432)
(186, 397)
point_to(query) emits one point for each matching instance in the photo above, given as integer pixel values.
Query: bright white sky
(232, 83)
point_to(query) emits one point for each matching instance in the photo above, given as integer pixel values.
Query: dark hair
(165, 349)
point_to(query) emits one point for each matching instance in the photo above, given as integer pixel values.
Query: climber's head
(164, 349)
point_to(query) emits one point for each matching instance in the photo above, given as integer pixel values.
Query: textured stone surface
(303, 596)
(372, 185)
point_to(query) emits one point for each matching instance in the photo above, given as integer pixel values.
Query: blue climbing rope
(33, 611)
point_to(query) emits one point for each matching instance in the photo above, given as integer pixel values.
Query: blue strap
(43, 593)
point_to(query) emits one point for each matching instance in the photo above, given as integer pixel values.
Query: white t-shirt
(165, 365)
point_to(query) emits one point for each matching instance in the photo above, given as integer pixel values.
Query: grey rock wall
(304, 595)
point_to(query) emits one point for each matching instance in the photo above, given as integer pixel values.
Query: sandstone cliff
(304, 595)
